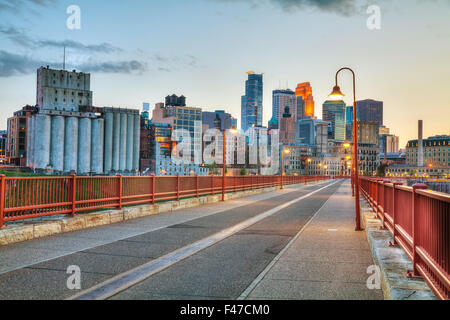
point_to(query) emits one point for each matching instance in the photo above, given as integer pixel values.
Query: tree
(243, 172)
(213, 168)
(381, 172)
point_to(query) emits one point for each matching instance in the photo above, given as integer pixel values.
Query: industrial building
(66, 134)
(17, 133)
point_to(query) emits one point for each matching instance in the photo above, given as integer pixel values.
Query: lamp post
(224, 166)
(308, 161)
(284, 151)
(346, 146)
(336, 94)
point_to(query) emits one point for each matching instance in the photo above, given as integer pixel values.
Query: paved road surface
(221, 267)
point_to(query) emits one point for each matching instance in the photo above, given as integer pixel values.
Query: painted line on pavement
(128, 279)
(261, 276)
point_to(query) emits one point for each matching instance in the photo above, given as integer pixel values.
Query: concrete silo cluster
(65, 136)
(65, 144)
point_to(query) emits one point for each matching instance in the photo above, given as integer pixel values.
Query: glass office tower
(252, 108)
(335, 113)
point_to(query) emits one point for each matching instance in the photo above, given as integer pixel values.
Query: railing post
(223, 187)
(393, 243)
(178, 187)
(153, 188)
(119, 191)
(196, 185)
(73, 196)
(415, 227)
(2, 198)
(212, 184)
(383, 214)
(281, 180)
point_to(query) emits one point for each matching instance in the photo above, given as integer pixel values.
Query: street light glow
(336, 94)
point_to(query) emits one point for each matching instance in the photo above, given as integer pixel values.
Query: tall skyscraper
(282, 99)
(305, 101)
(370, 111)
(287, 127)
(252, 102)
(334, 112)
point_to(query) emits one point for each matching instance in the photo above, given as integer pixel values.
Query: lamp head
(336, 94)
(233, 130)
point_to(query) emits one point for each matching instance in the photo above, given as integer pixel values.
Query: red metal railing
(419, 220)
(31, 197)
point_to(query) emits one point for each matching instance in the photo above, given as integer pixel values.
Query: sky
(143, 50)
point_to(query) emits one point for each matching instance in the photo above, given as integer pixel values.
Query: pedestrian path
(326, 260)
(22, 254)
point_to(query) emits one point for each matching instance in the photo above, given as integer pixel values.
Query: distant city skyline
(146, 58)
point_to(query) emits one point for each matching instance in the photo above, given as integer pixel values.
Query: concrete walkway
(327, 259)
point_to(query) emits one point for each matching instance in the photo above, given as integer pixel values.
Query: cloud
(342, 7)
(16, 6)
(132, 66)
(101, 48)
(12, 64)
(21, 38)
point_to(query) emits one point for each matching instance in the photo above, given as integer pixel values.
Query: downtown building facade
(282, 99)
(3, 145)
(436, 151)
(218, 119)
(185, 120)
(252, 102)
(434, 161)
(370, 111)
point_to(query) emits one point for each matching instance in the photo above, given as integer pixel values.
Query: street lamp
(233, 131)
(308, 161)
(336, 94)
(284, 151)
(346, 146)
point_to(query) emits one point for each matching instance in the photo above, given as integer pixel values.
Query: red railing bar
(431, 282)
(37, 215)
(438, 271)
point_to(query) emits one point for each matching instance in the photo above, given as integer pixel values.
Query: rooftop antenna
(64, 60)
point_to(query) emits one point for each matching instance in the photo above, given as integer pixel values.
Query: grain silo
(68, 135)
